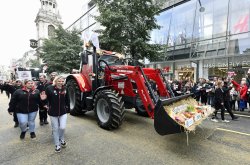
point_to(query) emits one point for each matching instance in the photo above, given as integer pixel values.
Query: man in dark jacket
(25, 102)
(41, 86)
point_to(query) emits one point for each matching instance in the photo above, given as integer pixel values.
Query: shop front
(224, 67)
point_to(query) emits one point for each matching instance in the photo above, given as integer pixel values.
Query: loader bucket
(163, 123)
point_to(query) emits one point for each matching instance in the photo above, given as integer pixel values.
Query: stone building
(47, 20)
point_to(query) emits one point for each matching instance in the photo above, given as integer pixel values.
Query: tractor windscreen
(111, 60)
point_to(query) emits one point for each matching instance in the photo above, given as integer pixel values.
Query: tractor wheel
(140, 109)
(109, 109)
(74, 98)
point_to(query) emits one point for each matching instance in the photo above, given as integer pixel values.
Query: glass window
(182, 23)
(213, 21)
(210, 53)
(239, 16)
(221, 52)
(160, 36)
(239, 44)
(51, 30)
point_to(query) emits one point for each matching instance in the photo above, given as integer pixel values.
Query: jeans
(25, 119)
(210, 100)
(58, 124)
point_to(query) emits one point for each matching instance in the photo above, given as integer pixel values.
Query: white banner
(93, 37)
(24, 75)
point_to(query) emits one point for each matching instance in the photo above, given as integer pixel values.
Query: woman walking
(219, 102)
(57, 102)
(25, 103)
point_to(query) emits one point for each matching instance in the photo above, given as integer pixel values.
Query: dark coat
(23, 101)
(57, 101)
(226, 92)
(42, 86)
(218, 98)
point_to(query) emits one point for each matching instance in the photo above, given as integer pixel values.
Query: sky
(18, 27)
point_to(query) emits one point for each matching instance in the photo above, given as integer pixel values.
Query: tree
(61, 51)
(127, 26)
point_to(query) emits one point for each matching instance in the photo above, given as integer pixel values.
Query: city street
(135, 142)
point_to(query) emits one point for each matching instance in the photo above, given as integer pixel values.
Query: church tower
(47, 20)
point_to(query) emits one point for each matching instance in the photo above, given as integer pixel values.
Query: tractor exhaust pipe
(163, 123)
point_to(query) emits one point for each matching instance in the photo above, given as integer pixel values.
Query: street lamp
(202, 9)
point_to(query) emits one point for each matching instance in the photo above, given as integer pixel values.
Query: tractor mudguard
(81, 81)
(102, 88)
(163, 123)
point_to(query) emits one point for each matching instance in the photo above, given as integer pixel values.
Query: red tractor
(107, 86)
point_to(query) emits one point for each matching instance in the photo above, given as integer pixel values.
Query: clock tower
(47, 20)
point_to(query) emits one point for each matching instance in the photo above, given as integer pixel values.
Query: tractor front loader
(108, 87)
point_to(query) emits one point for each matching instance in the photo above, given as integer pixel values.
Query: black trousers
(43, 114)
(15, 117)
(222, 108)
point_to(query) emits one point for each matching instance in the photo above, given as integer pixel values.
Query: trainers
(22, 136)
(41, 123)
(58, 149)
(235, 118)
(63, 144)
(16, 124)
(32, 135)
(225, 121)
(46, 121)
(214, 120)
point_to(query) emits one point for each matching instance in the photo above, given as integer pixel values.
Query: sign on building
(33, 43)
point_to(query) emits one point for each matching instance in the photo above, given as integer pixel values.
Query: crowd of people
(49, 97)
(27, 98)
(221, 93)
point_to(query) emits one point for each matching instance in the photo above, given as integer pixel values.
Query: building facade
(87, 23)
(204, 43)
(200, 38)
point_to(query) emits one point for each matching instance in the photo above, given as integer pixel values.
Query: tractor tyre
(74, 94)
(109, 109)
(139, 108)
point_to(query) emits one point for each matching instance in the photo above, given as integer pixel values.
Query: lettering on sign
(189, 122)
(180, 108)
(225, 65)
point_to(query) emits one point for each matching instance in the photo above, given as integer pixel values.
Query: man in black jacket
(41, 86)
